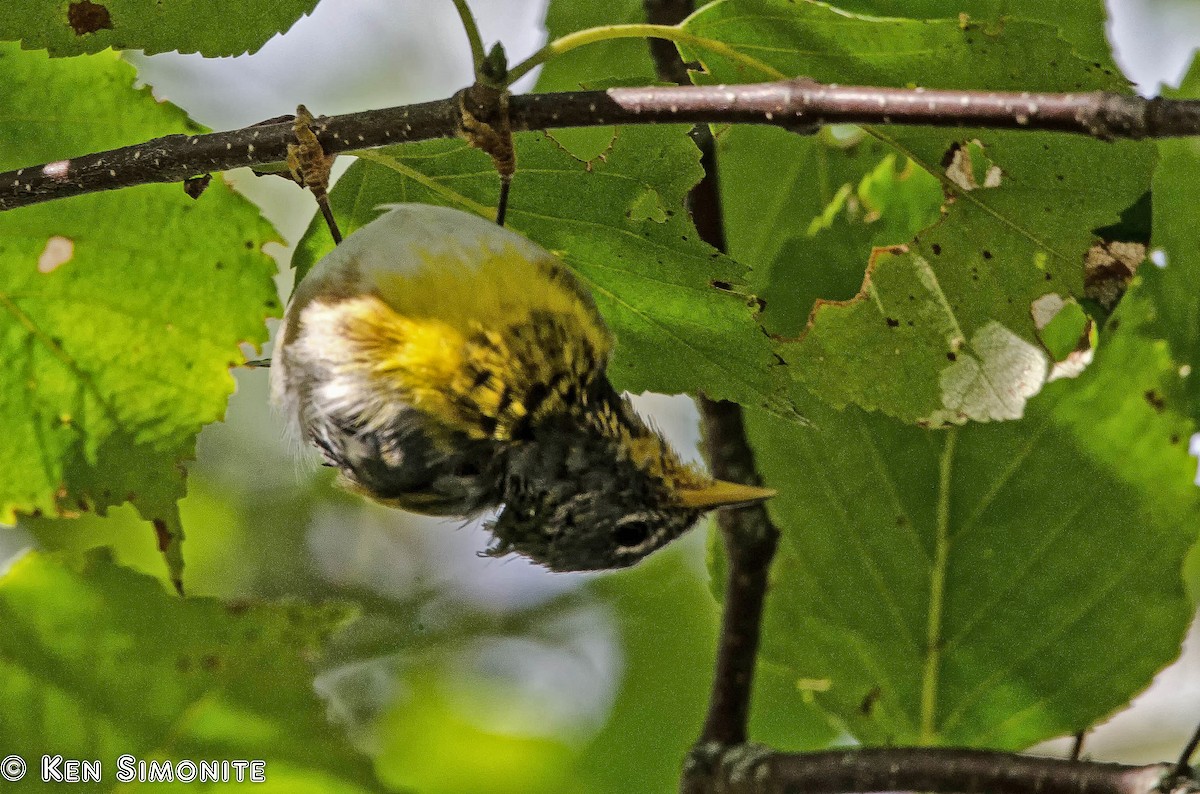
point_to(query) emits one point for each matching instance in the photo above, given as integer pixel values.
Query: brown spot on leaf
(88, 17)
(210, 662)
(194, 186)
(1174, 438)
(892, 323)
(948, 157)
(163, 534)
(987, 254)
(721, 285)
(1156, 401)
(868, 702)
(239, 607)
(937, 249)
(969, 168)
(951, 356)
(1108, 267)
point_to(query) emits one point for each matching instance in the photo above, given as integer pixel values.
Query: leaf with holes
(97, 661)
(204, 26)
(992, 585)
(941, 330)
(120, 313)
(807, 228)
(676, 305)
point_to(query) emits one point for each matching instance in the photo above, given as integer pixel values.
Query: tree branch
(750, 541)
(749, 536)
(752, 769)
(798, 103)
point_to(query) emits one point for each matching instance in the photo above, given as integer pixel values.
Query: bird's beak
(720, 493)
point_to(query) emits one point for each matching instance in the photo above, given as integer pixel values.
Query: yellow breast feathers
(449, 313)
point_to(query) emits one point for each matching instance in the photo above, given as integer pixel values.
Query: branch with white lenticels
(799, 104)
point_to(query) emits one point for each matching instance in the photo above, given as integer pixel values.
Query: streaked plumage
(445, 365)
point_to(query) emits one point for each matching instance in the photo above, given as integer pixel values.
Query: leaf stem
(643, 31)
(937, 592)
(472, 31)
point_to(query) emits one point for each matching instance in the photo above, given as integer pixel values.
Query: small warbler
(446, 365)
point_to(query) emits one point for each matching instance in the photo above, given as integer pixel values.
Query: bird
(448, 366)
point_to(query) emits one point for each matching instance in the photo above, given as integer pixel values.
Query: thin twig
(1077, 746)
(750, 538)
(750, 541)
(1185, 756)
(786, 103)
(330, 222)
(472, 30)
(667, 64)
(502, 204)
(582, 38)
(750, 769)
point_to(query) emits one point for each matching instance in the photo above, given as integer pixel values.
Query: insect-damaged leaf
(942, 329)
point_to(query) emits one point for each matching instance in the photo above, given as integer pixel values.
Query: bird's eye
(631, 533)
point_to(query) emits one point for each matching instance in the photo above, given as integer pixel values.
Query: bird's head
(603, 491)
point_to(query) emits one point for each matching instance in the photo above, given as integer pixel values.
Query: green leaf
(1177, 235)
(941, 330)
(120, 313)
(596, 66)
(668, 626)
(72, 27)
(808, 228)
(1061, 326)
(97, 661)
(663, 612)
(674, 303)
(617, 58)
(1081, 22)
(830, 45)
(992, 585)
